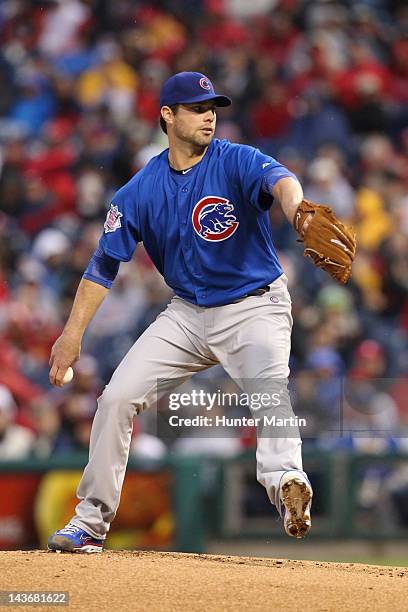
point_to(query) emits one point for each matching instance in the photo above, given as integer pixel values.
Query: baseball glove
(330, 244)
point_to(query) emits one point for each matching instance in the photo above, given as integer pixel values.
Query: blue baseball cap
(189, 87)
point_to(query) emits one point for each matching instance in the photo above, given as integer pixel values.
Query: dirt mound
(141, 581)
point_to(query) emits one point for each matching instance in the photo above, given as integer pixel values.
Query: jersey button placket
(186, 233)
(185, 215)
(183, 219)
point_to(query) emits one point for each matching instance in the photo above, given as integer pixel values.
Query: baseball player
(201, 210)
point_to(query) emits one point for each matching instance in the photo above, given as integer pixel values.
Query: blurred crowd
(322, 86)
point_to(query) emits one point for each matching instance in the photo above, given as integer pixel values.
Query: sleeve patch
(112, 222)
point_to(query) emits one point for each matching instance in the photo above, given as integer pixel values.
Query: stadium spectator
(16, 441)
(320, 85)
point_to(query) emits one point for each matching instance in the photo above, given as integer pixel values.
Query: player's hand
(64, 353)
(306, 225)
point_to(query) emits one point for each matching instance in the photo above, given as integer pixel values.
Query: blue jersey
(206, 229)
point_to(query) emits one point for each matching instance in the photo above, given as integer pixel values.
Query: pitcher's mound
(164, 582)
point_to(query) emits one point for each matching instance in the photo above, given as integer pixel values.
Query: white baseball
(68, 376)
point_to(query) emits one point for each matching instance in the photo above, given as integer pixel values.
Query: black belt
(259, 291)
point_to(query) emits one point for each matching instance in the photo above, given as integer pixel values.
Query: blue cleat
(75, 540)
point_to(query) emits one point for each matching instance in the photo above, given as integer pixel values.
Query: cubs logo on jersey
(213, 218)
(112, 221)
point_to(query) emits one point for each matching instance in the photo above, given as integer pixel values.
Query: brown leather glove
(330, 244)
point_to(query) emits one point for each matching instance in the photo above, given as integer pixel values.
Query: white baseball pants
(250, 339)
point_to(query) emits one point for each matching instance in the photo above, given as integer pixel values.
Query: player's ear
(167, 114)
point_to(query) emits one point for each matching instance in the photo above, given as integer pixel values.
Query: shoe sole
(296, 497)
(61, 544)
(83, 550)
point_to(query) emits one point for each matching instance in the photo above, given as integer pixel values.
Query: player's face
(195, 123)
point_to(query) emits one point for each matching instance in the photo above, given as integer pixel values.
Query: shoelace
(70, 529)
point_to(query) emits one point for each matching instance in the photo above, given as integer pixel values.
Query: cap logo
(205, 83)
